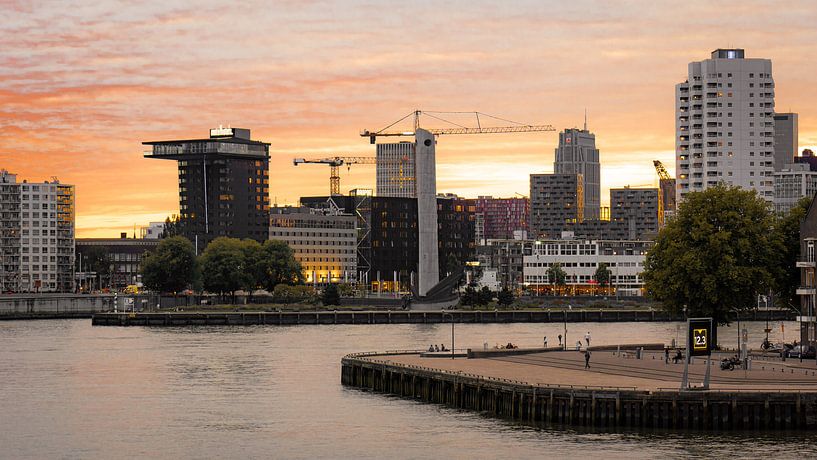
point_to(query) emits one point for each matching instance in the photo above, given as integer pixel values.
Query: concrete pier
(618, 391)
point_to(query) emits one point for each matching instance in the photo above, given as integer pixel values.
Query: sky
(83, 84)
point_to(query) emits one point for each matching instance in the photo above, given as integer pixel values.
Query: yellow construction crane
(666, 191)
(457, 128)
(335, 163)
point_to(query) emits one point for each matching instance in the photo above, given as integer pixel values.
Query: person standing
(546, 341)
(560, 341)
(587, 338)
(587, 359)
(666, 355)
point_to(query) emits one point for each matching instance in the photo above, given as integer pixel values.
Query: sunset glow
(82, 85)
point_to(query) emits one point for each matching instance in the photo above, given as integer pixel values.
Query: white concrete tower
(724, 124)
(425, 167)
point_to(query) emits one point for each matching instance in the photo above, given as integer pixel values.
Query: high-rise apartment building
(785, 139)
(724, 124)
(36, 235)
(396, 170)
(638, 208)
(556, 200)
(223, 185)
(577, 154)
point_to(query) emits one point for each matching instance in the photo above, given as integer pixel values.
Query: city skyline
(308, 76)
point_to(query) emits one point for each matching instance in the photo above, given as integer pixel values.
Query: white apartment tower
(724, 124)
(37, 239)
(396, 170)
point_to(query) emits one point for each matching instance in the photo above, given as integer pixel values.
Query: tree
(557, 276)
(330, 296)
(277, 265)
(223, 266)
(452, 264)
(712, 257)
(469, 297)
(788, 228)
(603, 275)
(172, 226)
(171, 267)
(485, 296)
(505, 296)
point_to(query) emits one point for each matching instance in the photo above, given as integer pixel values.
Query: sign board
(699, 340)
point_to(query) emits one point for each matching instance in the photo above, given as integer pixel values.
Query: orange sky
(82, 85)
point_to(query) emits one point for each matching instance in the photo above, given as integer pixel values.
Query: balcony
(805, 264)
(806, 290)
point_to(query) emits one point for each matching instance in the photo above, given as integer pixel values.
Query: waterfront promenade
(608, 369)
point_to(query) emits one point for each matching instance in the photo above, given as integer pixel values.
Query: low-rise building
(324, 241)
(111, 263)
(580, 259)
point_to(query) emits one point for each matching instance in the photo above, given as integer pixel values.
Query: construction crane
(457, 128)
(335, 163)
(666, 191)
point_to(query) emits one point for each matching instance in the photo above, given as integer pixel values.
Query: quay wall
(388, 317)
(585, 406)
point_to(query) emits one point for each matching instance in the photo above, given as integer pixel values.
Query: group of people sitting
(434, 347)
(509, 346)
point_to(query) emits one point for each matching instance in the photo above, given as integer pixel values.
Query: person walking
(560, 341)
(587, 359)
(666, 355)
(546, 341)
(587, 338)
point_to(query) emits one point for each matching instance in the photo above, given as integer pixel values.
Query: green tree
(331, 295)
(557, 277)
(172, 226)
(452, 264)
(603, 275)
(714, 254)
(278, 266)
(469, 297)
(788, 228)
(223, 266)
(486, 295)
(505, 296)
(171, 267)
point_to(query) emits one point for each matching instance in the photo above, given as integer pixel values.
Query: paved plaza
(611, 369)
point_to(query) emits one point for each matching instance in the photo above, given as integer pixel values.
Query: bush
(331, 295)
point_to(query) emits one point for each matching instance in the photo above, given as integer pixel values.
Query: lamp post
(737, 316)
(564, 317)
(452, 331)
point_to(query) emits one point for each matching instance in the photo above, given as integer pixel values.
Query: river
(70, 390)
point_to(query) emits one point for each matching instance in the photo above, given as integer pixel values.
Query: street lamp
(564, 317)
(452, 331)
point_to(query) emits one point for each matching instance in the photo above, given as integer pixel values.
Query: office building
(785, 139)
(388, 240)
(111, 263)
(580, 259)
(793, 182)
(556, 200)
(807, 290)
(396, 170)
(323, 241)
(725, 124)
(639, 208)
(577, 154)
(36, 235)
(500, 217)
(223, 185)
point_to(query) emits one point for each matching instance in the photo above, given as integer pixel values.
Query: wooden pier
(739, 408)
(280, 318)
